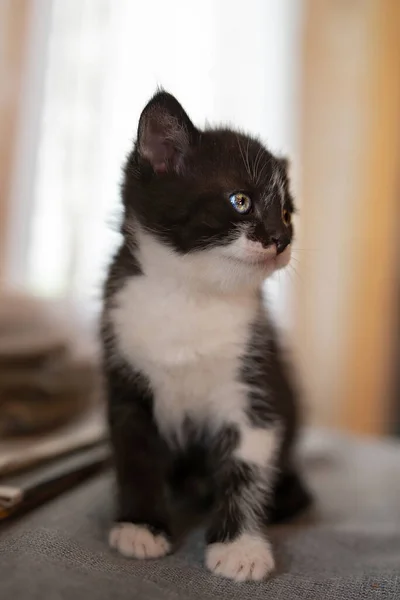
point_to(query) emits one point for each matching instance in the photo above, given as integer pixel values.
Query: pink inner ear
(160, 167)
(159, 151)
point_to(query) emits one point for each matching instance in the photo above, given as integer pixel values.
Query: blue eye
(240, 202)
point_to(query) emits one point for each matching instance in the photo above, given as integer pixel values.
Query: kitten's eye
(286, 217)
(240, 202)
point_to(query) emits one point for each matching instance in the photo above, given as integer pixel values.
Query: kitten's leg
(142, 529)
(237, 545)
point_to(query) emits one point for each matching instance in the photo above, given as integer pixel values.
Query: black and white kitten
(195, 377)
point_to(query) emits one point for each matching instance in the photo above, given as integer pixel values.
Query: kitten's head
(214, 195)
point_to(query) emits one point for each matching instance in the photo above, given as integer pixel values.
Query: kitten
(195, 377)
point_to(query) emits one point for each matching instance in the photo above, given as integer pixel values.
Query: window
(101, 61)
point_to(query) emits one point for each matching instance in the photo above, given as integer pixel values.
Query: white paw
(137, 541)
(249, 557)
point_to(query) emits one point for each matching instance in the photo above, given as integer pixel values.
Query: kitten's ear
(165, 133)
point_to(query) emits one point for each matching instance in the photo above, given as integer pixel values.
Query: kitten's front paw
(249, 557)
(138, 541)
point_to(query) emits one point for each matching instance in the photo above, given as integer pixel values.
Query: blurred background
(318, 80)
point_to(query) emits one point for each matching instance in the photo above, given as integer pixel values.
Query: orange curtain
(350, 129)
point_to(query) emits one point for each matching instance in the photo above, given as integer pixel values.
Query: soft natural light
(105, 58)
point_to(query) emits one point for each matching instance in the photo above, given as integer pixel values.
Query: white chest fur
(189, 345)
(185, 337)
(189, 342)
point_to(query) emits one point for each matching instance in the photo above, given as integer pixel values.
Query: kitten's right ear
(165, 133)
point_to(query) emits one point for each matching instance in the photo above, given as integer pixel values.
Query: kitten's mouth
(253, 255)
(269, 259)
(262, 262)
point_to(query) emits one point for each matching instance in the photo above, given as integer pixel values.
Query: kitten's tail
(290, 498)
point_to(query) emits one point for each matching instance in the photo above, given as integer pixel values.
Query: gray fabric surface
(347, 549)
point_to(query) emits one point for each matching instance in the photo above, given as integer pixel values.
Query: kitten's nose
(281, 242)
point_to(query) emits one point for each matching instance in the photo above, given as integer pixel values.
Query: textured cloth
(347, 549)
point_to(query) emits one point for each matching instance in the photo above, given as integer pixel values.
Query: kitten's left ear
(165, 133)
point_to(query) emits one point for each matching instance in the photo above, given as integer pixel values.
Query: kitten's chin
(254, 258)
(282, 260)
(266, 263)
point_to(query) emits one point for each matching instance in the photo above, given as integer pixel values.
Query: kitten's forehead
(242, 161)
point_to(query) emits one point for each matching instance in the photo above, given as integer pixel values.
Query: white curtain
(227, 61)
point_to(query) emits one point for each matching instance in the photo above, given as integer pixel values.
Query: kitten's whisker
(262, 170)
(254, 165)
(304, 249)
(248, 159)
(288, 273)
(269, 199)
(296, 273)
(257, 164)
(242, 155)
